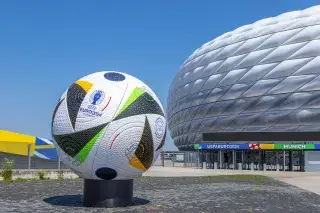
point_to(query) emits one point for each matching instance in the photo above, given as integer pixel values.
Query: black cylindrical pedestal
(107, 193)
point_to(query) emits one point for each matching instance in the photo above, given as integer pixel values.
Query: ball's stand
(108, 193)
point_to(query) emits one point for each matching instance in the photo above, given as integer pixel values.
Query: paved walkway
(310, 183)
(306, 180)
(159, 171)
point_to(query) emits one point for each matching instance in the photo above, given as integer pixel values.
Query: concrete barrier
(204, 165)
(215, 165)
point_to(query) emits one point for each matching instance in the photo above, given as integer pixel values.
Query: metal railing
(179, 159)
(196, 159)
(30, 163)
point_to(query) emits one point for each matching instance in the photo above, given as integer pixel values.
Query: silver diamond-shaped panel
(260, 77)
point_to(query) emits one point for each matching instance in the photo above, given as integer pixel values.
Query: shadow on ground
(77, 201)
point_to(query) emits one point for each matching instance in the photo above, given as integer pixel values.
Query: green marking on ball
(136, 93)
(83, 154)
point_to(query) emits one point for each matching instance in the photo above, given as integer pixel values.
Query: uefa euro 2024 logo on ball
(97, 97)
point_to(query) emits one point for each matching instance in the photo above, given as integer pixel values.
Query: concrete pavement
(306, 180)
(159, 171)
(310, 183)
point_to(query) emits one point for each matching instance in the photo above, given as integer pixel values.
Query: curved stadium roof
(259, 77)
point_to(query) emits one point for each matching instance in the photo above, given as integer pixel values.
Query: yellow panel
(18, 148)
(85, 85)
(266, 146)
(6, 136)
(16, 143)
(135, 162)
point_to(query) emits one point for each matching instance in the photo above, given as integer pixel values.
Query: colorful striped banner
(264, 146)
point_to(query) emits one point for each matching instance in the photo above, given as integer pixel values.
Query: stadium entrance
(264, 160)
(289, 152)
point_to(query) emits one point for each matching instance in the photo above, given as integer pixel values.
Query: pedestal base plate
(107, 193)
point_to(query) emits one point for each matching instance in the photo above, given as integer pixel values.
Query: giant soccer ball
(108, 125)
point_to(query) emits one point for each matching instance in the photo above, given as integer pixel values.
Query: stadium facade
(262, 77)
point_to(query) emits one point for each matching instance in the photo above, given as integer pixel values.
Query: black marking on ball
(114, 76)
(145, 104)
(55, 110)
(75, 96)
(70, 146)
(73, 143)
(163, 140)
(144, 151)
(106, 173)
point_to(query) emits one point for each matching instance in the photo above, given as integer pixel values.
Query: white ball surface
(108, 125)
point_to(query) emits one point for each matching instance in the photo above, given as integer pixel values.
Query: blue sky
(47, 45)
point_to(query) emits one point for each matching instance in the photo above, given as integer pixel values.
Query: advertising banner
(224, 146)
(294, 146)
(257, 146)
